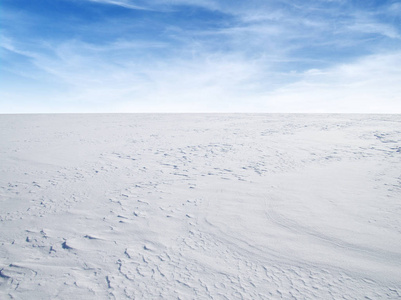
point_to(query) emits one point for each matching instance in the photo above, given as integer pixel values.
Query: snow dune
(244, 206)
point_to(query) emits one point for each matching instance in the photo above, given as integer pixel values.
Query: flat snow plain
(241, 206)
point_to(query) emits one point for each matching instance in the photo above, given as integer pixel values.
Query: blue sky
(200, 56)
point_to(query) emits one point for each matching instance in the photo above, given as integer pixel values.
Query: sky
(295, 56)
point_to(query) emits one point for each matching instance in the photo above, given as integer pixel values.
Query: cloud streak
(125, 4)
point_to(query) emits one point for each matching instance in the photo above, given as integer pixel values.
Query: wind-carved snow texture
(200, 206)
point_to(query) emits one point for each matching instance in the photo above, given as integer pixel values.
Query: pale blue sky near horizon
(332, 56)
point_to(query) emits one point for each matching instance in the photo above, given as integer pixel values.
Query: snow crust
(241, 206)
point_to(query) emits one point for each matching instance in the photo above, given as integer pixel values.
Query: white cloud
(122, 3)
(374, 27)
(248, 73)
(369, 85)
(159, 5)
(214, 82)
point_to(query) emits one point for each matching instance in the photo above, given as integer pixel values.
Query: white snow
(240, 206)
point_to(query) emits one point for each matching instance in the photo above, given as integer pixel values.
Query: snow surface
(188, 206)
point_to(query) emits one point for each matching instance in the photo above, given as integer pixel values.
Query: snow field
(240, 206)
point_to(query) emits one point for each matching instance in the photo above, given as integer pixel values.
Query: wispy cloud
(367, 85)
(188, 55)
(125, 4)
(382, 29)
